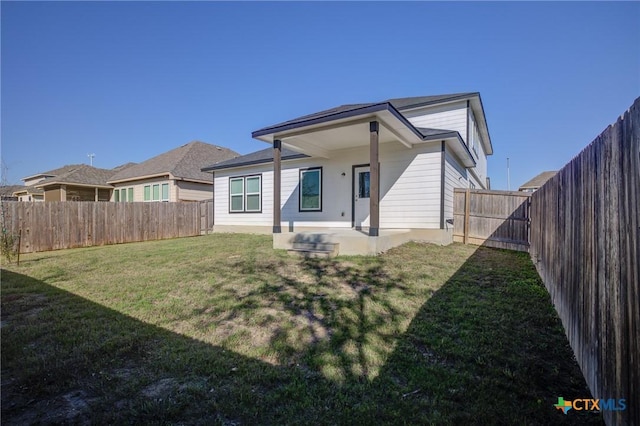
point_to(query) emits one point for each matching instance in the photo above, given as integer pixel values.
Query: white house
(386, 170)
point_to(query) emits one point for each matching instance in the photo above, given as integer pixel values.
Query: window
(165, 192)
(116, 195)
(245, 194)
(147, 192)
(156, 192)
(311, 189)
(130, 195)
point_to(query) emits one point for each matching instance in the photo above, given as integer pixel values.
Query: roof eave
(458, 146)
(213, 168)
(441, 101)
(144, 177)
(268, 134)
(84, 185)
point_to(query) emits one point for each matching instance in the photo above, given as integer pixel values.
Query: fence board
(585, 245)
(58, 225)
(492, 218)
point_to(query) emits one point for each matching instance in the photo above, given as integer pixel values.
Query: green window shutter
(147, 193)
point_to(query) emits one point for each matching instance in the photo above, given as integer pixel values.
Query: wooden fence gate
(492, 218)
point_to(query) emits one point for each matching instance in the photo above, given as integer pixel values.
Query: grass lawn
(222, 329)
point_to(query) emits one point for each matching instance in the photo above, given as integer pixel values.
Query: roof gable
(538, 180)
(81, 174)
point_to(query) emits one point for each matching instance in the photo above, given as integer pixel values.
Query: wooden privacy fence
(584, 243)
(65, 224)
(491, 218)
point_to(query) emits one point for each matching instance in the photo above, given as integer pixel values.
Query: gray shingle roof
(258, 157)
(538, 180)
(397, 103)
(183, 162)
(78, 174)
(8, 190)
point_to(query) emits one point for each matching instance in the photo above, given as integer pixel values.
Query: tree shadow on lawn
(484, 349)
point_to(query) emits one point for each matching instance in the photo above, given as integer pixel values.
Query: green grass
(224, 330)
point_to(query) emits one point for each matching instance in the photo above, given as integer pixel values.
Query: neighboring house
(172, 176)
(7, 192)
(376, 166)
(75, 183)
(28, 193)
(535, 183)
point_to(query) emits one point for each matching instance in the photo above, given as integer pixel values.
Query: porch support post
(374, 180)
(95, 194)
(63, 192)
(277, 175)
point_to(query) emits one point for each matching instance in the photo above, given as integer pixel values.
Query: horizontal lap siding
(447, 117)
(410, 188)
(409, 180)
(193, 191)
(221, 197)
(455, 177)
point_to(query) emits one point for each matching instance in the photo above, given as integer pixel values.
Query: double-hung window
(310, 194)
(245, 194)
(156, 192)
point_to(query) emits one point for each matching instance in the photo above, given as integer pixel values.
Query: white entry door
(361, 197)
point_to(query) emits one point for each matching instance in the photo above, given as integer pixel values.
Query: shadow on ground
(484, 349)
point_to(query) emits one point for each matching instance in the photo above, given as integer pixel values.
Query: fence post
(467, 207)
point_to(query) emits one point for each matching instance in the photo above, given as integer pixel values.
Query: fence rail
(59, 225)
(584, 243)
(491, 218)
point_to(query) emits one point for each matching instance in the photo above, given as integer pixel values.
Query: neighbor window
(165, 192)
(147, 192)
(116, 195)
(311, 189)
(245, 194)
(130, 195)
(156, 192)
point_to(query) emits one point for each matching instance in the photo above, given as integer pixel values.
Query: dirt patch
(160, 389)
(70, 408)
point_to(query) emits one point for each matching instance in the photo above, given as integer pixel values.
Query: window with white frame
(310, 194)
(245, 194)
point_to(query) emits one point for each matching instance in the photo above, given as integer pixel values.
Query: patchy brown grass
(223, 329)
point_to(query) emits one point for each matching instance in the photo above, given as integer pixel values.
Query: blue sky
(130, 80)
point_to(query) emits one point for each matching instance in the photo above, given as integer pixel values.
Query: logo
(595, 405)
(563, 405)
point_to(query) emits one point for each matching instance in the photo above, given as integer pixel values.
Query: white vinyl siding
(455, 176)
(409, 189)
(245, 194)
(451, 116)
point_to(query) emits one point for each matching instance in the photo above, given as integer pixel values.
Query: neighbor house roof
(258, 157)
(538, 180)
(82, 175)
(54, 172)
(26, 190)
(8, 190)
(184, 162)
